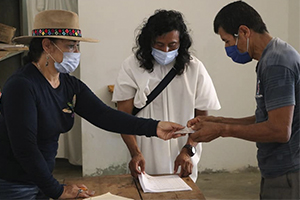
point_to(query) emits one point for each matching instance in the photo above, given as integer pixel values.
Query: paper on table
(185, 130)
(107, 196)
(166, 183)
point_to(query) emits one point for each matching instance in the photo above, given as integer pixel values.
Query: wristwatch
(191, 149)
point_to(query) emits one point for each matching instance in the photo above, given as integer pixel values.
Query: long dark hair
(160, 23)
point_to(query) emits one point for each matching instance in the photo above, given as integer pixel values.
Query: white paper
(166, 183)
(185, 130)
(107, 196)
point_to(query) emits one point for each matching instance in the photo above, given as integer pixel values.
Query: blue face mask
(236, 55)
(164, 58)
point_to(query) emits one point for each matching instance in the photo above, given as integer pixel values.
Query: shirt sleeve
(90, 107)
(132, 82)
(125, 85)
(21, 120)
(279, 87)
(206, 95)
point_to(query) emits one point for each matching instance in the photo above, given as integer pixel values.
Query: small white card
(184, 131)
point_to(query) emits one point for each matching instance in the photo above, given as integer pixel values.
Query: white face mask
(164, 58)
(69, 64)
(70, 61)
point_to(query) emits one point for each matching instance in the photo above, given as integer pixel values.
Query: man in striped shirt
(275, 125)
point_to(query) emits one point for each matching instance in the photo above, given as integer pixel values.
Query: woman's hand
(165, 130)
(76, 191)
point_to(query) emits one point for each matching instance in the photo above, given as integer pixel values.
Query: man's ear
(244, 31)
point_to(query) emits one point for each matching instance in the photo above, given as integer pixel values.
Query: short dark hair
(160, 23)
(238, 13)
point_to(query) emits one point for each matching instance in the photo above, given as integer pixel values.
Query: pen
(83, 188)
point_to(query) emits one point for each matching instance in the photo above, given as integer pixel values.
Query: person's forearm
(130, 141)
(197, 113)
(200, 113)
(260, 132)
(91, 108)
(276, 129)
(191, 142)
(241, 121)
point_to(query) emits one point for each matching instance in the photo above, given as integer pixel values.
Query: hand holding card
(185, 130)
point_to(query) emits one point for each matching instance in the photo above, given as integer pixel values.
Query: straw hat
(59, 24)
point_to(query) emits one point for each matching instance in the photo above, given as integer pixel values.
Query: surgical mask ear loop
(57, 47)
(247, 44)
(50, 54)
(237, 38)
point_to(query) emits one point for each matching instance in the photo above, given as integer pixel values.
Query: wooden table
(126, 186)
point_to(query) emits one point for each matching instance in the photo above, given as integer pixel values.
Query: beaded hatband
(56, 32)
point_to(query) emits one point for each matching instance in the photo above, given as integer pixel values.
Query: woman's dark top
(33, 114)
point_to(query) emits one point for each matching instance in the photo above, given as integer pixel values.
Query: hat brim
(27, 39)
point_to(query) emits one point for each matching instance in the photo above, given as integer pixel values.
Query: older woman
(38, 103)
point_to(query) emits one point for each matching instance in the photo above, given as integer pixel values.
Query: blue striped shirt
(278, 85)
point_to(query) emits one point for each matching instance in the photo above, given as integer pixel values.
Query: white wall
(294, 24)
(114, 24)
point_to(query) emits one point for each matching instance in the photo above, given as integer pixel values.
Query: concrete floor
(241, 185)
(238, 185)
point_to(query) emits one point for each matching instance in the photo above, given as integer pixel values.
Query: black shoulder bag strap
(167, 79)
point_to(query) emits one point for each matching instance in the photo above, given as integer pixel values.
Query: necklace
(38, 66)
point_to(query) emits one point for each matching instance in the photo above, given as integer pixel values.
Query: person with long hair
(163, 44)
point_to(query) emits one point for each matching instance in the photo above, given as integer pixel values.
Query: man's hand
(204, 118)
(204, 131)
(137, 165)
(76, 191)
(183, 160)
(165, 130)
